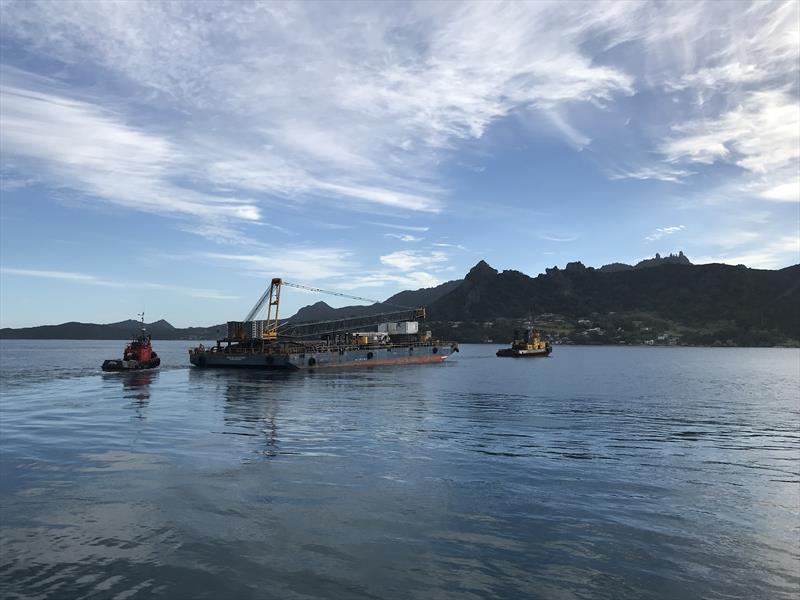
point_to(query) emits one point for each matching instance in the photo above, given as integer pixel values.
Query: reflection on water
(136, 384)
(135, 387)
(599, 473)
(251, 404)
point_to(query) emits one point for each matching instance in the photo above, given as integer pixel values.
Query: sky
(175, 157)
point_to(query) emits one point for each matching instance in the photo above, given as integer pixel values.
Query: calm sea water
(597, 473)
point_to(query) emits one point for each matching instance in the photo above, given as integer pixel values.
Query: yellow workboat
(529, 345)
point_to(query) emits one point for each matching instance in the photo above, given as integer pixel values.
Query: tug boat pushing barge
(389, 338)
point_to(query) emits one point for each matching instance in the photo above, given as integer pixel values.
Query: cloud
(719, 77)
(66, 275)
(760, 135)
(772, 254)
(661, 232)
(409, 280)
(295, 101)
(409, 260)
(659, 172)
(555, 237)
(575, 138)
(736, 238)
(219, 233)
(98, 281)
(733, 91)
(402, 227)
(91, 150)
(403, 237)
(393, 198)
(223, 113)
(337, 266)
(783, 192)
(305, 263)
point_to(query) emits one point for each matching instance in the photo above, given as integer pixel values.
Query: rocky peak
(575, 266)
(481, 271)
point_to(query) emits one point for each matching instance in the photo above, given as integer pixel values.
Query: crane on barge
(380, 338)
(273, 328)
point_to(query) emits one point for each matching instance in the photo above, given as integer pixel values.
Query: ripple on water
(599, 473)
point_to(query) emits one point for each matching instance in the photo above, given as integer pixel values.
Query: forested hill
(664, 298)
(698, 297)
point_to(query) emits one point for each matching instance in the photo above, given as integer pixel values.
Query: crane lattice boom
(271, 298)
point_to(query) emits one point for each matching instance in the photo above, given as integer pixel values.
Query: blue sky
(175, 157)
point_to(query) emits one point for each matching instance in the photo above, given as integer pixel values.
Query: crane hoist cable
(343, 295)
(276, 284)
(289, 329)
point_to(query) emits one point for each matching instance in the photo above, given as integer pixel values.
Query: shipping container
(371, 337)
(400, 327)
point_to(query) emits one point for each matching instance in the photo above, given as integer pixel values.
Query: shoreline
(784, 346)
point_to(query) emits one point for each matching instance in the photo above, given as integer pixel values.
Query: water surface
(600, 472)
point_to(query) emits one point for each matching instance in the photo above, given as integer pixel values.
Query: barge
(392, 338)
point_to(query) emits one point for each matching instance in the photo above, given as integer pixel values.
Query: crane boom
(272, 297)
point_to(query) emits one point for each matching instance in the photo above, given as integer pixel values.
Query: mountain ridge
(751, 303)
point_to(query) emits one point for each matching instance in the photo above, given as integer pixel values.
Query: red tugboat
(138, 354)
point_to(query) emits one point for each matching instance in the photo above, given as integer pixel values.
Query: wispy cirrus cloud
(419, 228)
(735, 105)
(90, 149)
(301, 103)
(409, 260)
(658, 172)
(305, 263)
(331, 268)
(448, 245)
(407, 280)
(743, 96)
(83, 278)
(403, 237)
(661, 232)
(558, 237)
(231, 115)
(766, 254)
(760, 135)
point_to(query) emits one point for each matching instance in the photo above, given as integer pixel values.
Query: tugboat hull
(510, 352)
(116, 365)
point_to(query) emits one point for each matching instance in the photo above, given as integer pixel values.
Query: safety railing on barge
(246, 349)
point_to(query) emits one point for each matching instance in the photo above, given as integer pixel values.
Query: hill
(659, 300)
(321, 311)
(705, 303)
(673, 259)
(123, 330)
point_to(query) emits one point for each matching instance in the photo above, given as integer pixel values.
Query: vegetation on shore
(658, 301)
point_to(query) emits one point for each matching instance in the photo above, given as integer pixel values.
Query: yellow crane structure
(272, 325)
